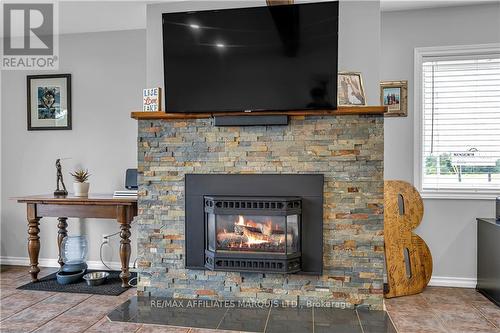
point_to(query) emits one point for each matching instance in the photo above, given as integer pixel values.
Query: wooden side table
(94, 206)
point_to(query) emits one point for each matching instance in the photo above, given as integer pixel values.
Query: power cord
(135, 278)
(105, 241)
(100, 256)
(133, 267)
(132, 285)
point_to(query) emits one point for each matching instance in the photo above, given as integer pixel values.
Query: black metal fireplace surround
(254, 223)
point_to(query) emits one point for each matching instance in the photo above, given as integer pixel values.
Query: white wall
(448, 226)
(359, 37)
(108, 74)
(359, 43)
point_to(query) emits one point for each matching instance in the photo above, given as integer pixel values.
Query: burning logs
(258, 237)
(241, 228)
(225, 239)
(249, 235)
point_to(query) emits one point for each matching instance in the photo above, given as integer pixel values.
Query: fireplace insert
(253, 233)
(254, 223)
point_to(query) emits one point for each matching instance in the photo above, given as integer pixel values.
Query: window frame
(418, 116)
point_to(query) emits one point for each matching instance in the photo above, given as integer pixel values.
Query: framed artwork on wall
(350, 89)
(394, 95)
(49, 102)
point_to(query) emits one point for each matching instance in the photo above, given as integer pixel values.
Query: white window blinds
(461, 123)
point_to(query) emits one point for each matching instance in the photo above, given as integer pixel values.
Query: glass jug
(74, 249)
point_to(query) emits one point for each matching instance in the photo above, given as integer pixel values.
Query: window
(459, 109)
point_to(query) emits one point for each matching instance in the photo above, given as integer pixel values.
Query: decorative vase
(74, 249)
(81, 189)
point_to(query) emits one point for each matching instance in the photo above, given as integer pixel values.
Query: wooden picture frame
(49, 102)
(350, 89)
(394, 95)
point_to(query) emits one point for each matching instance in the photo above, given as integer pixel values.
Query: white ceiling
(97, 16)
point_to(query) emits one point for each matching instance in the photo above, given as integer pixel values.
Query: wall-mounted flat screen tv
(260, 58)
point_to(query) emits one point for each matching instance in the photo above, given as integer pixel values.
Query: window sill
(459, 195)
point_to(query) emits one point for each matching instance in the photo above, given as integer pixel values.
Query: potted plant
(80, 186)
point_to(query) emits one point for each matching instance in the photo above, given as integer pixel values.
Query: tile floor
(435, 310)
(234, 317)
(440, 309)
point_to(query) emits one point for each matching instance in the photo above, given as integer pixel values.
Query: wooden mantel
(341, 111)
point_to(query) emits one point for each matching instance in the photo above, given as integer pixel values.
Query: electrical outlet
(105, 240)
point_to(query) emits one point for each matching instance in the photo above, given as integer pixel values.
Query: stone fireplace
(265, 228)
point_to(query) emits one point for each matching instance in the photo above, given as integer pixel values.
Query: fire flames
(251, 238)
(250, 235)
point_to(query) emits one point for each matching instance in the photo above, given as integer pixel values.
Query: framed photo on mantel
(350, 91)
(49, 102)
(394, 95)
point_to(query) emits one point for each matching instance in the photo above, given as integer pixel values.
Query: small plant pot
(81, 189)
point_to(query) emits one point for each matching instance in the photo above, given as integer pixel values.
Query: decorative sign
(151, 99)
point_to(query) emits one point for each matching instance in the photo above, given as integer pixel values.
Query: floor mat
(111, 287)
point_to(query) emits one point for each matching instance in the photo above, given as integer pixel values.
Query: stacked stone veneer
(348, 150)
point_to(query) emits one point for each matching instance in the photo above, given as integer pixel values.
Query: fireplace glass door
(259, 234)
(253, 233)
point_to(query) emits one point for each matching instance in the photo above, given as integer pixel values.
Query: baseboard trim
(49, 262)
(447, 281)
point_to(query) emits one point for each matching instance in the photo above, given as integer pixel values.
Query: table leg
(124, 218)
(61, 233)
(33, 241)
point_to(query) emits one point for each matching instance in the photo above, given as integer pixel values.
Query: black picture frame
(67, 93)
